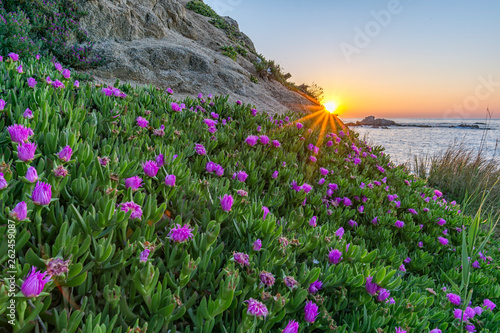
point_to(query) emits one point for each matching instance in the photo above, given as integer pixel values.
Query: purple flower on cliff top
(76, 84)
(176, 107)
(240, 175)
(241, 258)
(31, 82)
(443, 240)
(150, 168)
(340, 232)
(180, 234)
(438, 193)
(133, 182)
(20, 212)
(142, 122)
(65, 154)
(66, 73)
(313, 221)
(19, 133)
(353, 223)
(459, 314)
(226, 202)
(383, 294)
(160, 160)
(371, 287)
(58, 84)
(292, 327)
(256, 308)
(454, 298)
(14, 56)
(257, 245)
(489, 304)
(26, 151)
(412, 211)
(399, 224)
(315, 286)
(334, 256)
(34, 283)
(170, 180)
(60, 171)
(400, 330)
(306, 188)
(346, 201)
(441, 222)
(264, 139)
(267, 278)
(290, 282)
(210, 122)
(276, 143)
(299, 125)
(170, 91)
(312, 159)
(266, 211)
(58, 66)
(200, 149)
(252, 140)
(28, 114)
(436, 330)
(275, 174)
(310, 312)
(132, 206)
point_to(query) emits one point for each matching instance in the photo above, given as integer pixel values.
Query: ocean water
(403, 143)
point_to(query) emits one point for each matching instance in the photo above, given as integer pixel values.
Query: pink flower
(312, 159)
(400, 330)
(252, 140)
(133, 182)
(66, 73)
(264, 139)
(241, 258)
(275, 174)
(3, 182)
(257, 245)
(315, 286)
(266, 278)
(310, 312)
(266, 211)
(142, 122)
(58, 84)
(371, 287)
(41, 194)
(226, 202)
(399, 224)
(443, 241)
(58, 66)
(180, 234)
(383, 294)
(276, 144)
(170, 91)
(19, 133)
(340, 232)
(441, 222)
(133, 207)
(313, 220)
(241, 176)
(200, 150)
(14, 56)
(176, 107)
(436, 330)
(438, 193)
(334, 256)
(65, 154)
(454, 298)
(34, 283)
(489, 304)
(144, 255)
(292, 327)
(290, 282)
(256, 308)
(150, 168)
(299, 125)
(20, 212)
(170, 180)
(31, 82)
(76, 84)
(60, 171)
(28, 114)
(26, 151)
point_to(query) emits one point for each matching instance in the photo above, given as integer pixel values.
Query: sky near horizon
(387, 58)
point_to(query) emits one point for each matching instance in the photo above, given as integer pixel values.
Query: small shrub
(201, 8)
(253, 79)
(229, 51)
(241, 50)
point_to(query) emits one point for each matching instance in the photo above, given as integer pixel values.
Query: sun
(331, 106)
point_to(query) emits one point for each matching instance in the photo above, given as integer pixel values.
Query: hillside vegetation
(141, 213)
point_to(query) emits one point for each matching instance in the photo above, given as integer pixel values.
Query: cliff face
(161, 42)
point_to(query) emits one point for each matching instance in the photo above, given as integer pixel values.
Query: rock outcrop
(372, 121)
(161, 42)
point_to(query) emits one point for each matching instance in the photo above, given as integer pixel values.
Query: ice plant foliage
(105, 177)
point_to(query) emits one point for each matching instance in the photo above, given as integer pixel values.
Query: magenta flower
(399, 224)
(241, 258)
(323, 171)
(150, 168)
(142, 122)
(275, 174)
(313, 221)
(375, 220)
(238, 102)
(252, 140)
(14, 56)
(210, 122)
(470, 328)
(292, 327)
(28, 114)
(476, 264)
(340, 232)
(144, 255)
(257, 245)
(299, 125)
(353, 223)
(66, 73)
(176, 107)
(241, 176)
(347, 202)
(31, 174)
(334, 256)
(489, 304)
(306, 188)
(256, 308)
(226, 202)
(266, 278)
(200, 150)
(266, 211)
(443, 241)
(65, 154)
(160, 160)
(310, 312)
(312, 159)
(438, 193)
(133, 207)
(402, 268)
(412, 211)
(20, 212)
(383, 294)
(170, 91)
(441, 222)
(180, 234)
(31, 82)
(19, 133)
(170, 180)
(371, 287)
(34, 283)
(253, 112)
(41, 194)
(57, 266)
(60, 171)
(219, 170)
(459, 314)
(436, 330)
(420, 244)
(20, 69)
(210, 167)
(264, 139)
(290, 282)
(133, 182)
(276, 144)
(315, 286)
(76, 84)
(454, 298)
(400, 330)
(58, 66)
(58, 84)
